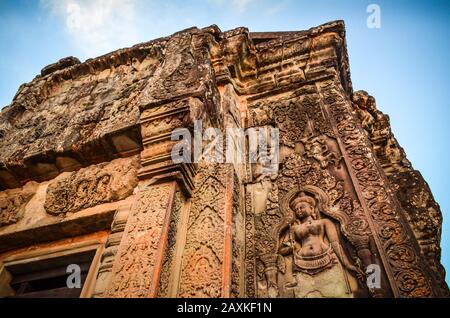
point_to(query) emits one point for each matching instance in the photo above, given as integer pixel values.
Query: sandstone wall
(85, 156)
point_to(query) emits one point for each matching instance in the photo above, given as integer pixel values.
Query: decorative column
(180, 92)
(137, 267)
(398, 250)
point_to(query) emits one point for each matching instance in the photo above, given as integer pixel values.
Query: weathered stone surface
(421, 210)
(60, 65)
(12, 204)
(88, 187)
(341, 201)
(75, 116)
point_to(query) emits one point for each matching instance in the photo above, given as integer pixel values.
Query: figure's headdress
(302, 198)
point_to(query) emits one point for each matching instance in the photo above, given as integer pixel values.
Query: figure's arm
(333, 237)
(286, 247)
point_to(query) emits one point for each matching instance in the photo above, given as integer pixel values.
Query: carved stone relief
(203, 254)
(314, 160)
(238, 240)
(342, 196)
(314, 262)
(169, 271)
(140, 250)
(403, 262)
(88, 187)
(269, 227)
(12, 204)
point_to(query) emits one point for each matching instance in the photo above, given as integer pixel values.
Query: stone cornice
(257, 64)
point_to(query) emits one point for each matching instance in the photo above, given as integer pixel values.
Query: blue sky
(405, 64)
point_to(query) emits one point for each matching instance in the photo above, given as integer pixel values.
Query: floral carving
(137, 257)
(88, 187)
(404, 263)
(201, 274)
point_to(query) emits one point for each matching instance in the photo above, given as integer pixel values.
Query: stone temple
(89, 187)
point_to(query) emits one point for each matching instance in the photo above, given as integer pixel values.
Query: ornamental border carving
(402, 261)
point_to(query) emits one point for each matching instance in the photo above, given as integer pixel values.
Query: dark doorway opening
(47, 278)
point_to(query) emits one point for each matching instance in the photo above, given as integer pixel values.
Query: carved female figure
(314, 254)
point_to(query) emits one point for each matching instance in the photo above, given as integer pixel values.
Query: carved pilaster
(181, 92)
(110, 251)
(401, 256)
(139, 258)
(207, 256)
(170, 271)
(147, 240)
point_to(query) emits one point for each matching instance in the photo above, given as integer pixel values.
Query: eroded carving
(88, 187)
(316, 147)
(137, 257)
(203, 255)
(405, 263)
(12, 204)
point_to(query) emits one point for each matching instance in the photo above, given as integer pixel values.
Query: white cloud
(238, 5)
(97, 26)
(241, 5)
